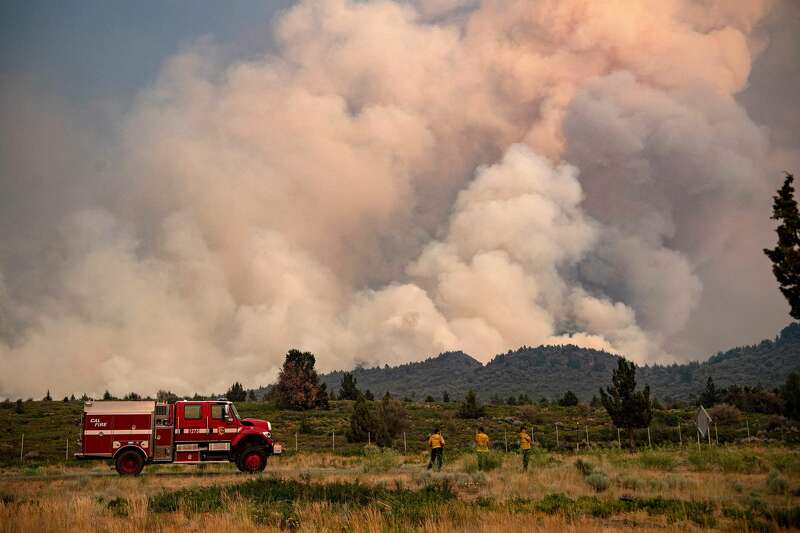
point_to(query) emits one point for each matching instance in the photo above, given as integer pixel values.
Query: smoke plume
(392, 180)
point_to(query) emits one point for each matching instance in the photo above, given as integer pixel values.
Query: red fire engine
(134, 433)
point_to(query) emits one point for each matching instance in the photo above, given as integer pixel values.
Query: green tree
(107, 395)
(368, 395)
(445, 397)
(568, 400)
(236, 393)
(429, 399)
(132, 396)
(47, 397)
(362, 422)
(710, 396)
(348, 389)
(628, 408)
(791, 395)
(785, 256)
(392, 420)
(166, 396)
(19, 408)
(298, 383)
(470, 408)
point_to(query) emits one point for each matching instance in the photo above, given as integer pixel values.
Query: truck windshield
(235, 412)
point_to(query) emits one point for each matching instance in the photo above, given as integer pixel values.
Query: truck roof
(115, 407)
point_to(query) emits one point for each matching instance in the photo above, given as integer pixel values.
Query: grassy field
(738, 485)
(733, 488)
(48, 426)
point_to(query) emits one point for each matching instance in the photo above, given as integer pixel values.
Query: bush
(776, 483)
(470, 408)
(598, 481)
(380, 459)
(725, 414)
(657, 461)
(584, 467)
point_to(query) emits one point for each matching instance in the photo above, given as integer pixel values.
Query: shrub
(380, 459)
(776, 483)
(598, 481)
(657, 461)
(470, 408)
(584, 467)
(725, 413)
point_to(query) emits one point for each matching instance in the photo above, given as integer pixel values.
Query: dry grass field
(731, 488)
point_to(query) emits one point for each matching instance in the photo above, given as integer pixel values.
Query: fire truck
(136, 433)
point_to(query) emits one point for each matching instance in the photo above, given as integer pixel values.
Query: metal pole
(709, 436)
(680, 437)
(619, 441)
(295, 441)
(577, 437)
(405, 448)
(369, 438)
(21, 447)
(66, 451)
(505, 438)
(649, 442)
(698, 440)
(716, 435)
(748, 428)
(556, 435)
(587, 435)
(333, 440)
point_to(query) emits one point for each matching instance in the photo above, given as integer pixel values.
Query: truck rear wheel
(130, 463)
(252, 459)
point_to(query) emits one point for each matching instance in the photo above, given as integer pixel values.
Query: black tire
(129, 463)
(252, 459)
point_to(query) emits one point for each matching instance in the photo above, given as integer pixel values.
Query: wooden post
(369, 438)
(505, 438)
(680, 437)
(66, 451)
(587, 435)
(748, 428)
(716, 434)
(556, 435)
(21, 448)
(709, 436)
(649, 442)
(333, 440)
(698, 439)
(405, 448)
(295, 441)
(577, 437)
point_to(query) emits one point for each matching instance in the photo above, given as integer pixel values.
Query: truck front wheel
(252, 459)
(130, 463)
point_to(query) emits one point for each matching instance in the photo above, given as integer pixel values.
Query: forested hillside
(549, 371)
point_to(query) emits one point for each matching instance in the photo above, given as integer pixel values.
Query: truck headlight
(267, 434)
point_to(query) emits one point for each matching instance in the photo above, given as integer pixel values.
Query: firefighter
(481, 447)
(525, 445)
(436, 443)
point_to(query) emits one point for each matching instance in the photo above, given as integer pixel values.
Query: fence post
(66, 451)
(716, 434)
(556, 435)
(333, 440)
(505, 438)
(369, 438)
(698, 439)
(748, 428)
(577, 437)
(21, 448)
(649, 442)
(405, 448)
(295, 441)
(619, 441)
(587, 436)
(680, 437)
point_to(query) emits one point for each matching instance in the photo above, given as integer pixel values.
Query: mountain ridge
(549, 371)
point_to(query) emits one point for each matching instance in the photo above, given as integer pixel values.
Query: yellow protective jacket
(482, 442)
(436, 441)
(524, 440)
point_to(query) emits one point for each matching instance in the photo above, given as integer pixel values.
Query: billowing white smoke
(402, 179)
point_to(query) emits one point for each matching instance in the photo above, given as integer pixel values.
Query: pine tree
(298, 383)
(19, 408)
(710, 396)
(791, 395)
(251, 396)
(368, 395)
(348, 389)
(107, 395)
(362, 423)
(470, 408)
(445, 397)
(568, 400)
(47, 397)
(785, 256)
(628, 408)
(392, 420)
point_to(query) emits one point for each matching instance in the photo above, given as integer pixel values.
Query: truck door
(192, 420)
(222, 427)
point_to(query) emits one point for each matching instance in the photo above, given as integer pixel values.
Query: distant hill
(549, 371)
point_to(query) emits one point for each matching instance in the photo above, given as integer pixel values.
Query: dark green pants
(437, 456)
(526, 455)
(482, 460)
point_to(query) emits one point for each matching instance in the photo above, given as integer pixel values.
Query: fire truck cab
(135, 433)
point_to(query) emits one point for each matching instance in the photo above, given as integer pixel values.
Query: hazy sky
(378, 181)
